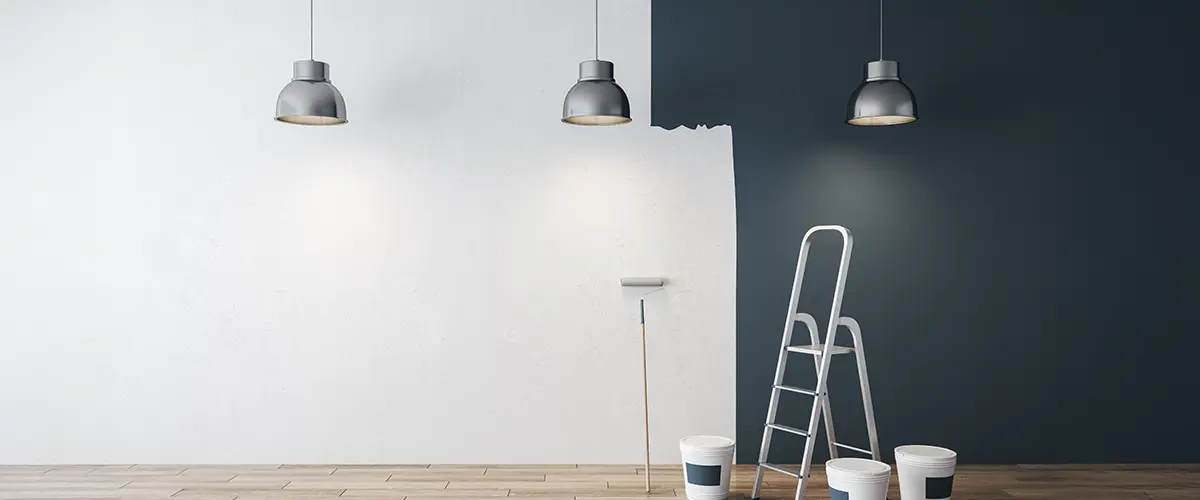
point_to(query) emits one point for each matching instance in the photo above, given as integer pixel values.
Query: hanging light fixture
(882, 99)
(596, 99)
(310, 99)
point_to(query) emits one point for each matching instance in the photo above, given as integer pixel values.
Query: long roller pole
(645, 392)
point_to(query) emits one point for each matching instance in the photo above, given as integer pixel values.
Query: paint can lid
(925, 455)
(707, 444)
(858, 469)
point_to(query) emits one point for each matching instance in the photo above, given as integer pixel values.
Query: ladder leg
(864, 385)
(815, 337)
(781, 365)
(835, 313)
(815, 417)
(830, 437)
(773, 407)
(762, 457)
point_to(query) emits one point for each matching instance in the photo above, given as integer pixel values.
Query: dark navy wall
(1026, 266)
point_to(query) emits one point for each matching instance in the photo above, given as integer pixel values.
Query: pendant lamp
(882, 99)
(596, 99)
(310, 99)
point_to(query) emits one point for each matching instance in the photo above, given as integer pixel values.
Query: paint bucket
(707, 464)
(926, 472)
(857, 479)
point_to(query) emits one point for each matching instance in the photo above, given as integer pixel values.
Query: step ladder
(822, 353)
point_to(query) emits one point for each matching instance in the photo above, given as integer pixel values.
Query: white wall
(184, 280)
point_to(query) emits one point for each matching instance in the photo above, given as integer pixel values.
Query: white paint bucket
(857, 479)
(926, 472)
(707, 464)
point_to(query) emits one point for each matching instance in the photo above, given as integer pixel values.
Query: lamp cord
(310, 30)
(596, 18)
(880, 30)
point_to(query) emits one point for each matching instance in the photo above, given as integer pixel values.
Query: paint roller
(656, 284)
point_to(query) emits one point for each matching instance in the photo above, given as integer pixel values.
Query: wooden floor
(549, 482)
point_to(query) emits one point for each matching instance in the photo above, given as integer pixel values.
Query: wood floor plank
(70, 470)
(593, 492)
(503, 466)
(213, 478)
(607, 468)
(40, 495)
(426, 494)
(1086, 492)
(140, 470)
(411, 473)
(480, 496)
(530, 474)
(381, 466)
(205, 495)
(1173, 493)
(1112, 478)
(289, 494)
(593, 477)
(333, 483)
(363, 475)
(533, 466)
(24, 469)
(436, 474)
(390, 495)
(158, 483)
(626, 493)
(281, 473)
(83, 494)
(551, 498)
(53, 484)
(155, 479)
(514, 485)
(1094, 467)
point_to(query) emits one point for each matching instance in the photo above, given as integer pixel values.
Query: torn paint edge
(693, 127)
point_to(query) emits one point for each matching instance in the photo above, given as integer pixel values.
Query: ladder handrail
(830, 227)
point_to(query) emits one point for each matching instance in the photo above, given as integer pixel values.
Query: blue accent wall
(1026, 268)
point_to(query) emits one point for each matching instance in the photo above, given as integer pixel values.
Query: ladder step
(796, 390)
(780, 470)
(792, 430)
(815, 350)
(852, 448)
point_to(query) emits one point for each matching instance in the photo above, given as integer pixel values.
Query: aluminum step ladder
(823, 353)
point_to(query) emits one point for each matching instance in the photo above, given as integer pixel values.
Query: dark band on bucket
(938, 487)
(704, 475)
(836, 494)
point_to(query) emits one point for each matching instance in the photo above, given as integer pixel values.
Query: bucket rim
(924, 454)
(858, 470)
(707, 444)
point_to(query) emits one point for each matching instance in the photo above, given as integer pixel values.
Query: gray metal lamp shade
(882, 99)
(596, 99)
(310, 99)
